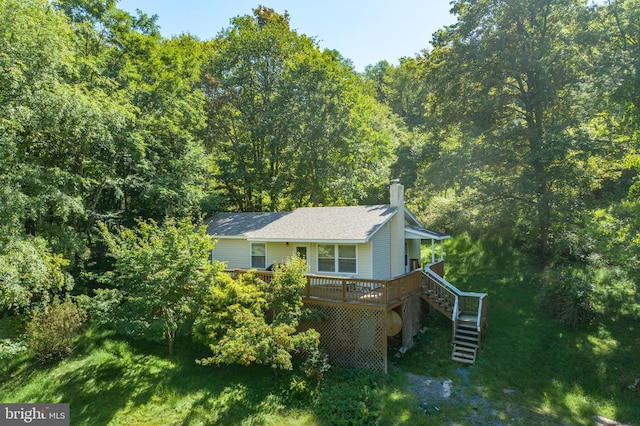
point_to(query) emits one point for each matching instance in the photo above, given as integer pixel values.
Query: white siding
(236, 253)
(372, 263)
(413, 250)
(381, 254)
(278, 253)
(364, 261)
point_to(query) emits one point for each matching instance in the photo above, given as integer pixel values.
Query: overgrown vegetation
(249, 321)
(51, 332)
(517, 132)
(138, 383)
(158, 279)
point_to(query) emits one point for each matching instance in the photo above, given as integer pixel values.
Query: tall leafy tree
(509, 81)
(282, 117)
(617, 34)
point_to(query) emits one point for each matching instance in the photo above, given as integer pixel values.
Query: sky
(364, 31)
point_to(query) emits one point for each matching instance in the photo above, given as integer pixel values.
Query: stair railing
(460, 296)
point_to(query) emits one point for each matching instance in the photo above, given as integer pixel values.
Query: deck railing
(465, 304)
(351, 290)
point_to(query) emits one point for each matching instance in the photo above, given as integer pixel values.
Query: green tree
(509, 108)
(617, 93)
(38, 196)
(247, 320)
(30, 275)
(288, 123)
(160, 273)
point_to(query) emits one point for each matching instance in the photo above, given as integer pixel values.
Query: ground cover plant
(531, 370)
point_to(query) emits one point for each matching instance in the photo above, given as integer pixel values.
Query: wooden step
(466, 333)
(467, 344)
(464, 354)
(469, 338)
(465, 361)
(468, 325)
(465, 349)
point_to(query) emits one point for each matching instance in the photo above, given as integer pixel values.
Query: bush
(351, 397)
(9, 349)
(568, 297)
(50, 333)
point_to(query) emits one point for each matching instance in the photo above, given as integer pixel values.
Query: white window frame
(336, 259)
(251, 256)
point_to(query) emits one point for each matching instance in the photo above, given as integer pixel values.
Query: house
(369, 242)
(365, 275)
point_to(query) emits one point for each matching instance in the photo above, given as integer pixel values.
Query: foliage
(290, 124)
(567, 296)
(30, 275)
(509, 121)
(360, 388)
(51, 332)
(159, 273)
(519, 340)
(9, 349)
(247, 321)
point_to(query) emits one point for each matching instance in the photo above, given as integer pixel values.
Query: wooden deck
(358, 291)
(345, 299)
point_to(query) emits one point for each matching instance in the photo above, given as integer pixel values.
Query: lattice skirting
(352, 336)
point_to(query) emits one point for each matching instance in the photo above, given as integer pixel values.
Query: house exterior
(365, 275)
(377, 242)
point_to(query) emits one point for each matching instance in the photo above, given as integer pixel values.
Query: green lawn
(530, 371)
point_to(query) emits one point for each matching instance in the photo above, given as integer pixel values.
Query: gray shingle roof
(349, 223)
(239, 224)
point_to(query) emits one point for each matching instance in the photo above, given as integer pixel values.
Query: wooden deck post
(344, 290)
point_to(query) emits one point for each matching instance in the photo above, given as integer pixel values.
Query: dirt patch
(438, 397)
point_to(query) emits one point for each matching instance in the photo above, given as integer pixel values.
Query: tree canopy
(520, 121)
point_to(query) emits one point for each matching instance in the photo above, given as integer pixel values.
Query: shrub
(9, 349)
(567, 297)
(351, 397)
(50, 333)
(250, 321)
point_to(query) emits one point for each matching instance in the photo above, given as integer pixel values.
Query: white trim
(415, 220)
(415, 235)
(336, 259)
(306, 241)
(227, 237)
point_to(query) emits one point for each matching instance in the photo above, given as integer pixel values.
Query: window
(344, 262)
(347, 259)
(326, 258)
(302, 252)
(258, 255)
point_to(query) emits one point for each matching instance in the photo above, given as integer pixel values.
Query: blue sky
(364, 31)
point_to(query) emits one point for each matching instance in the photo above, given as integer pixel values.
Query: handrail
(442, 281)
(347, 289)
(481, 296)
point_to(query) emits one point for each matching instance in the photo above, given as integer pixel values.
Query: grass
(530, 370)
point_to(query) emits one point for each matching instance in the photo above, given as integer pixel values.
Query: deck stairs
(466, 341)
(467, 312)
